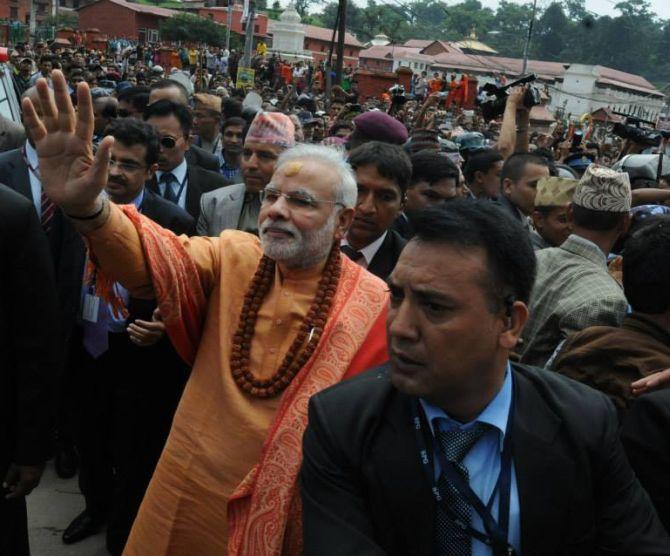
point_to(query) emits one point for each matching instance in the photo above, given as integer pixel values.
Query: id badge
(89, 311)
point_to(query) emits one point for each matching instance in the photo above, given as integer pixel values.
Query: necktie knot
(167, 177)
(350, 252)
(456, 442)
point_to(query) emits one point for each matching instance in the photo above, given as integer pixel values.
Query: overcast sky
(602, 7)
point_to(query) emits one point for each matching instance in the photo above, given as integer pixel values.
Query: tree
(192, 28)
(552, 33)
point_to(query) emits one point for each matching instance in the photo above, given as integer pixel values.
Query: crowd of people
(284, 319)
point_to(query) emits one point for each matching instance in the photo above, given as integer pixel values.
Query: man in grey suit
(237, 206)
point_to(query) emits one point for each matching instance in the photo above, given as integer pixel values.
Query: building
(318, 39)
(220, 15)
(122, 19)
(390, 57)
(586, 89)
(19, 10)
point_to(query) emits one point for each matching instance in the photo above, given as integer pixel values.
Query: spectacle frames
(168, 142)
(295, 201)
(126, 167)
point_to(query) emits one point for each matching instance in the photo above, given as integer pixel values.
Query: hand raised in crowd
(147, 333)
(515, 97)
(656, 381)
(72, 177)
(22, 479)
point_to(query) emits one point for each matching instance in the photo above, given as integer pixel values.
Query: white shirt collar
(369, 251)
(178, 172)
(31, 155)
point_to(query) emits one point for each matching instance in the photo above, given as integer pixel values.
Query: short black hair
(340, 124)
(109, 106)
(432, 166)
(131, 131)
(235, 120)
(646, 266)
(596, 220)
(231, 107)
(481, 161)
(480, 224)
(168, 84)
(166, 107)
(391, 161)
(515, 165)
(137, 97)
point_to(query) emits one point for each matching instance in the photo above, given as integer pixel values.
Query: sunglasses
(168, 142)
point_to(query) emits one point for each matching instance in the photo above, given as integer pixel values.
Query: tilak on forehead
(292, 168)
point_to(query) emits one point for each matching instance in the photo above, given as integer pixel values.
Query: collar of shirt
(495, 413)
(31, 155)
(178, 172)
(578, 245)
(369, 251)
(137, 201)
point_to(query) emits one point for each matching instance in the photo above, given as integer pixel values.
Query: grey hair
(346, 191)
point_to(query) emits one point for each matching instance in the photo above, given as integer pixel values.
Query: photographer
(514, 132)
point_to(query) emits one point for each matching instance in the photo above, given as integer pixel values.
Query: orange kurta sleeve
(120, 253)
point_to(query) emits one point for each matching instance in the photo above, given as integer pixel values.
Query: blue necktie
(170, 194)
(451, 540)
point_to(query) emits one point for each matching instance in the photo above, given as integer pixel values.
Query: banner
(245, 77)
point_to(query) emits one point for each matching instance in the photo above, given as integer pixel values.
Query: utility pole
(33, 19)
(341, 30)
(528, 37)
(229, 23)
(249, 35)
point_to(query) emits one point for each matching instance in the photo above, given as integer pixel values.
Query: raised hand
(71, 176)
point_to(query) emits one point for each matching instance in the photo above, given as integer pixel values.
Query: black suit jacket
(68, 250)
(364, 491)
(29, 347)
(199, 181)
(646, 440)
(384, 261)
(197, 156)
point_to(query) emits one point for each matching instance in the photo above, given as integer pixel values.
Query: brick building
(317, 41)
(19, 10)
(121, 19)
(220, 15)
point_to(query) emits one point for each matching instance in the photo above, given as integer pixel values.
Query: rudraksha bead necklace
(309, 333)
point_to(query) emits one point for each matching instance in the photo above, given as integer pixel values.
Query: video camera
(494, 105)
(639, 131)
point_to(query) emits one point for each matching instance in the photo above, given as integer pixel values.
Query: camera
(639, 131)
(496, 97)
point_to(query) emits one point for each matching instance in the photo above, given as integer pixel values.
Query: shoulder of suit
(367, 389)
(167, 210)
(14, 207)
(211, 179)
(397, 238)
(221, 193)
(11, 156)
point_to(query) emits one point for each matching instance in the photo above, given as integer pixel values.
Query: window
(256, 29)
(13, 13)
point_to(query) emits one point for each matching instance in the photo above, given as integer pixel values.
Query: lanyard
(496, 532)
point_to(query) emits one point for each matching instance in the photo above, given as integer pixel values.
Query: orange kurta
(218, 431)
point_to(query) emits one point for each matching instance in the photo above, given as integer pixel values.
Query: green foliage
(62, 20)
(191, 28)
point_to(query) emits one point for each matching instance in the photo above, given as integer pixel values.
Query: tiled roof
(323, 34)
(417, 43)
(139, 8)
(390, 52)
(609, 76)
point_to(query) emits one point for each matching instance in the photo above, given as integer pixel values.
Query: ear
(151, 170)
(514, 321)
(507, 186)
(625, 224)
(538, 219)
(344, 220)
(478, 176)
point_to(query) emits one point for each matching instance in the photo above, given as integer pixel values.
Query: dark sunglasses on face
(168, 142)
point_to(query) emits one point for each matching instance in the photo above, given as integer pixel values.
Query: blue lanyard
(496, 531)
(181, 187)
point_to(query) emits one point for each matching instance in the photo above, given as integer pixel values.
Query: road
(51, 507)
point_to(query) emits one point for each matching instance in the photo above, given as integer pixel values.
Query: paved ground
(51, 507)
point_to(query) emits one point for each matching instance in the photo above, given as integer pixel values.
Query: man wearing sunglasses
(176, 180)
(237, 207)
(265, 322)
(125, 377)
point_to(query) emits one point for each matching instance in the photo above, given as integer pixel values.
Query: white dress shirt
(369, 251)
(34, 175)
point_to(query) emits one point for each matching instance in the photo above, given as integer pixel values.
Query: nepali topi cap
(379, 126)
(603, 189)
(272, 128)
(208, 102)
(555, 192)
